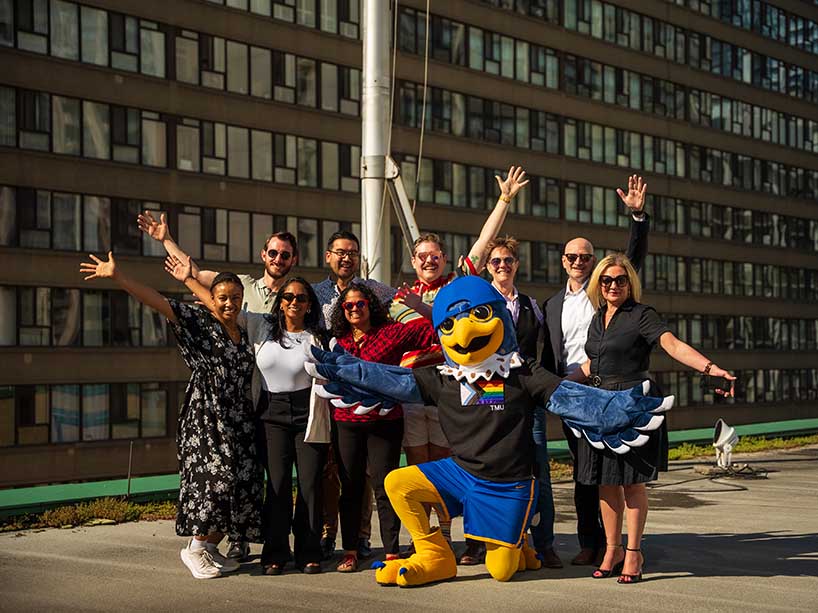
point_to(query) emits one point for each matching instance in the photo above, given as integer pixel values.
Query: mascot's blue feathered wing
(485, 393)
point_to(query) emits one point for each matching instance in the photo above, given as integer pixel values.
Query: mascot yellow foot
(433, 560)
(386, 573)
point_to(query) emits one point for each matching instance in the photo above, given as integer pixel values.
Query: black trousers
(285, 446)
(590, 532)
(356, 443)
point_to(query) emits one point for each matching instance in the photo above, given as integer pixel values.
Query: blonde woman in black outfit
(623, 332)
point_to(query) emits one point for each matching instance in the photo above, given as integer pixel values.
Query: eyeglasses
(274, 253)
(621, 280)
(583, 257)
(358, 304)
(289, 297)
(435, 256)
(508, 261)
(343, 253)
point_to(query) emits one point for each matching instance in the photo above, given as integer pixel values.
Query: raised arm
(181, 271)
(97, 269)
(159, 231)
(637, 249)
(509, 187)
(684, 353)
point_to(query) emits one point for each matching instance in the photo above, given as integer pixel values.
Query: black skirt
(640, 465)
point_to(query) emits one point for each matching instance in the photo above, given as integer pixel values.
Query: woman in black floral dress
(221, 479)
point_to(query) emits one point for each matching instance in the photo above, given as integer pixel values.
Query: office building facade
(240, 117)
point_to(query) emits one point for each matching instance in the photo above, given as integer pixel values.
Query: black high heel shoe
(601, 573)
(628, 579)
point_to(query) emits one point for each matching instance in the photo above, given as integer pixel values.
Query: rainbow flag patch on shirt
(483, 392)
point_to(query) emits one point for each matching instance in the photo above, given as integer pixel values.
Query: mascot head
(472, 322)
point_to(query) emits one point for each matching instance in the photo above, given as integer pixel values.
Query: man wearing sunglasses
(568, 315)
(279, 255)
(343, 256)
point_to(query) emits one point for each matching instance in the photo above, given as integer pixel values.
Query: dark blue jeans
(543, 533)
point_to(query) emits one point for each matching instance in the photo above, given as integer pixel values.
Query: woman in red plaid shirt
(362, 326)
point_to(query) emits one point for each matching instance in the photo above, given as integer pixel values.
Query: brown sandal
(348, 564)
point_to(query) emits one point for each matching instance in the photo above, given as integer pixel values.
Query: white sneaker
(223, 563)
(200, 563)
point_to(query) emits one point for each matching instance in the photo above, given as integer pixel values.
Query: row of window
(53, 414)
(43, 414)
(215, 62)
(450, 183)
(515, 126)
(334, 16)
(497, 54)
(69, 126)
(65, 317)
(39, 120)
(626, 28)
(752, 386)
(95, 36)
(742, 332)
(540, 262)
(43, 219)
(762, 18)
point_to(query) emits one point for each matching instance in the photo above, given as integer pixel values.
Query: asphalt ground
(710, 545)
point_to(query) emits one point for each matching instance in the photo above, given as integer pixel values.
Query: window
(32, 25)
(125, 134)
(238, 156)
(262, 155)
(237, 67)
(187, 145)
(212, 61)
(187, 57)
(124, 32)
(95, 412)
(67, 134)
(152, 49)
(97, 224)
(35, 120)
(95, 130)
(67, 222)
(307, 162)
(65, 413)
(214, 147)
(261, 84)
(65, 30)
(154, 140)
(306, 82)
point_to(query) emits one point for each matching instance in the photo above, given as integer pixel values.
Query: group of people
(251, 409)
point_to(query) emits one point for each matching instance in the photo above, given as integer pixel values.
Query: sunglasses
(508, 261)
(358, 304)
(300, 298)
(621, 280)
(274, 253)
(343, 253)
(583, 257)
(435, 256)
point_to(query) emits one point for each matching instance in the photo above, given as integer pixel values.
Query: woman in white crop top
(294, 426)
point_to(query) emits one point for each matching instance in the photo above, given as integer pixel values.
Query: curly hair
(378, 314)
(312, 320)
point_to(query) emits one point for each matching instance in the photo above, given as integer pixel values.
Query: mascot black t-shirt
(488, 423)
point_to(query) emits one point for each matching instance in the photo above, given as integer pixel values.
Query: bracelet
(707, 368)
(504, 198)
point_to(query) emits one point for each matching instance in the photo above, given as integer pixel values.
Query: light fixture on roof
(725, 440)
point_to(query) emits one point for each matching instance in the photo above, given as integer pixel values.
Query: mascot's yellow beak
(472, 338)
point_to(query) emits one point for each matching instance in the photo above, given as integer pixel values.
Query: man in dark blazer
(568, 314)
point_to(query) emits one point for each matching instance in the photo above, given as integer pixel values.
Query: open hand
(635, 198)
(406, 296)
(99, 269)
(513, 183)
(157, 230)
(178, 269)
